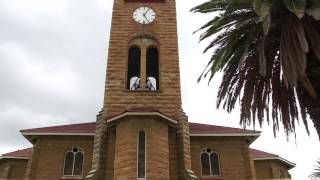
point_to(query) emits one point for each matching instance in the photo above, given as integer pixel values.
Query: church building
(142, 132)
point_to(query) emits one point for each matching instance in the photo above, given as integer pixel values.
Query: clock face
(144, 15)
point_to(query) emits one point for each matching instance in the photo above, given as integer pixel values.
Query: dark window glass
(68, 163)
(73, 162)
(133, 68)
(141, 155)
(214, 160)
(152, 68)
(78, 161)
(205, 164)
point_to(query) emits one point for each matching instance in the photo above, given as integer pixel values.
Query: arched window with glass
(210, 162)
(141, 156)
(73, 162)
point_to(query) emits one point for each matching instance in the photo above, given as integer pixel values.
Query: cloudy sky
(53, 57)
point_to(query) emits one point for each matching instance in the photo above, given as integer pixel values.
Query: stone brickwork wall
(123, 30)
(110, 153)
(234, 157)
(49, 153)
(12, 169)
(173, 154)
(271, 169)
(157, 148)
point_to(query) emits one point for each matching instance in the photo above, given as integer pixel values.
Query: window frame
(128, 87)
(80, 150)
(154, 46)
(145, 155)
(204, 150)
(143, 42)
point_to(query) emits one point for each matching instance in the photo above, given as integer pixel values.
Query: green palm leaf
(266, 50)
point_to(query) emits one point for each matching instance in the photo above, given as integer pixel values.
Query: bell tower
(142, 132)
(143, 63)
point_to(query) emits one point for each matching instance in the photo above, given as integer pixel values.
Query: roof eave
(252, 136)
(142, 114)
(30, 136)
(55, 133)
(289, 164)
(12, 157)
(226, 134)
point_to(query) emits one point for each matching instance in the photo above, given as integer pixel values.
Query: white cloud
(53, 56)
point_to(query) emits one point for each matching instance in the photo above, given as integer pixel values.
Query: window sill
(212, 177)
(71, 177)
(142, 90)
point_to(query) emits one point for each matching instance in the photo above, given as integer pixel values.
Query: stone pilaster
(249, 165)
(184, 156)
(99, 150)
(33, 162)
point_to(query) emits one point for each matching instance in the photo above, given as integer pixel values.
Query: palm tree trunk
(312, 105)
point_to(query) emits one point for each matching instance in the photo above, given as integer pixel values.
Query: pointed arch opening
(152, 68)
(133, 76)
(73, 162)
(210, 163)
(141, 156)
(143, 64)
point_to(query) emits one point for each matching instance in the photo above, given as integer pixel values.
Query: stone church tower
(142, 132)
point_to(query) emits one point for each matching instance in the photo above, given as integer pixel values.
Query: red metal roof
(89, 128)
(196, 128)
(261, 154)
(71, 128)
(24, 153)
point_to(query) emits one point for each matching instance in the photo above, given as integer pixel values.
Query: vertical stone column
(33, 162)
(184, 155)
(249, 165)
(143, 65)
(99, 150)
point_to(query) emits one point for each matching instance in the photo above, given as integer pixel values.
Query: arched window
(143, 64)
(73, 162)
(210, 165)
(141, 159)
(133, 76)
(152, 68)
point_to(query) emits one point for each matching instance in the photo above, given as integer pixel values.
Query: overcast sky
(53, 57)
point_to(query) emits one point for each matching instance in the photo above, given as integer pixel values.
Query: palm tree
(269, 52)
(316, 172)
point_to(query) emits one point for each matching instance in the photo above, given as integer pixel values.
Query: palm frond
(263, 48)
(316, 172)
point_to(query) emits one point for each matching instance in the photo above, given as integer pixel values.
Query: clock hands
(146, 18)
(144, 15)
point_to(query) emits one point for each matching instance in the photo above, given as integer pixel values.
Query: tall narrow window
(141, 156)
(152, 68)
(73, 162)
(210, 165)
(133, 76)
